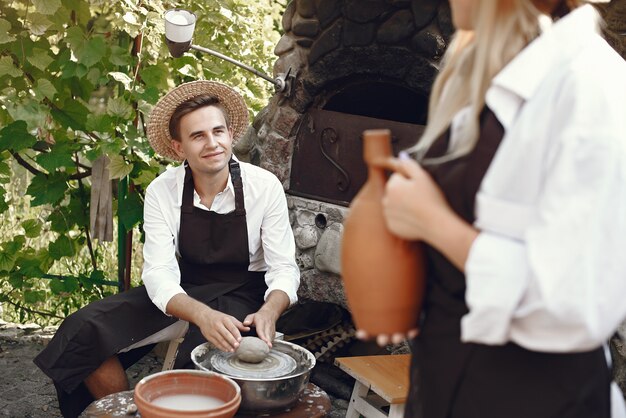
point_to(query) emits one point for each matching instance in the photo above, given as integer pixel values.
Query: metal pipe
(280, 84)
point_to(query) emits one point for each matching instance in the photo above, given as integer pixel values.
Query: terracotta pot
(187, 382)
(383, 275)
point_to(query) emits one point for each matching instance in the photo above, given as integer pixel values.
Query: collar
(558, 43)
(180, 182)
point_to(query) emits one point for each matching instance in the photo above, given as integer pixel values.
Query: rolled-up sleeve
(161, 274)
(547, 270)
(279, 246)
(496, 281)
(560, 285)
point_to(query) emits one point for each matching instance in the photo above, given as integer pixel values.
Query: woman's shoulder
(598, 60)
(596, 78)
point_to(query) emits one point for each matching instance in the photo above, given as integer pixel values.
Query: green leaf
(59, 221)
(75, 38)
(5, 170)
(60, 155)
(100, 123)
(155, 76)
(30, 266)
(76, 210)
(130, 211)
(71, 115)
(119, 56)
(28, 110)
(45, 88)
(150, 95)
(32, 228)
(7, 260)
(38, 24)
(47, 189)
(10, 253)
(71, 284)
(118, 167)
(56, 286)
(32, 297)
(94, 76)
(119, 107)
(93, 52)
(145, 177)
(67, 285)
(16, 137)
(40, 59)
(62, 247)
(47, 7)
(5, 35)
(16, 280)
(96, 277)
(68, 70)
(17, 243)
(81, 70)
(7, 67)
(122, 78)
(3, 204)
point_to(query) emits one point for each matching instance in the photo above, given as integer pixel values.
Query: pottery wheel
(276, 364)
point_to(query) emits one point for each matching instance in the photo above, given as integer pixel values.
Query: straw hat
(158, 125)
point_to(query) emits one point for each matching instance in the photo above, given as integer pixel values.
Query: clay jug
(383, 275)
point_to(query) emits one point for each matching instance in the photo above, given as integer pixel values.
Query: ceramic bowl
(266, 395)
(183, 388)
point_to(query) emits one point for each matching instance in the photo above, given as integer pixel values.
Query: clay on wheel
(252, 350)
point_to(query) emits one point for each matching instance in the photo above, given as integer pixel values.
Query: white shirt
(271, 243)
(548, 269)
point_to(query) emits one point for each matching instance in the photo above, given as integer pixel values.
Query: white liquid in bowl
(187, 402)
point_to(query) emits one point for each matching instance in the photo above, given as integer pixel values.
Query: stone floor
(25, 392)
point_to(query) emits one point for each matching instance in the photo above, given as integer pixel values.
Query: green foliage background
(78, 79)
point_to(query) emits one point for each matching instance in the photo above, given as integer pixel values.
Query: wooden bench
(381, 382)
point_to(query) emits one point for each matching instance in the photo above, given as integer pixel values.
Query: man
(219, 254)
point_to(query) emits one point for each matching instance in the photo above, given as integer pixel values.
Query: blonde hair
(473, 59)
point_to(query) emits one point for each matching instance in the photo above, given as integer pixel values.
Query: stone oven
(354, 65)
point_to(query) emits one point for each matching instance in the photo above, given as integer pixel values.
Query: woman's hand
(413, 204)
(384, 339)
(416, 209)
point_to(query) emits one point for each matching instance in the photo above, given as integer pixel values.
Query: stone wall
(328, 44)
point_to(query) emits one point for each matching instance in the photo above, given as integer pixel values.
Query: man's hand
(265, 323)
(265, 318)
(220, 329)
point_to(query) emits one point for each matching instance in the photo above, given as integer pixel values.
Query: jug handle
(391, 164)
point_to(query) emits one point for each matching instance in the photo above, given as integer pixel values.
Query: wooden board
(387, 375)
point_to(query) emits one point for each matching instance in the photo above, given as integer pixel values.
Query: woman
(521, 200)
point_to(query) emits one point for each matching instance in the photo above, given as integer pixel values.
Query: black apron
(450, 379)
(214, 260)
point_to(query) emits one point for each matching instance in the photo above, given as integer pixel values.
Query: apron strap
(235, 174)
(188, 188)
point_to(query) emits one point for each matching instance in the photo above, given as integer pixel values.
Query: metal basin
(259, 395)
